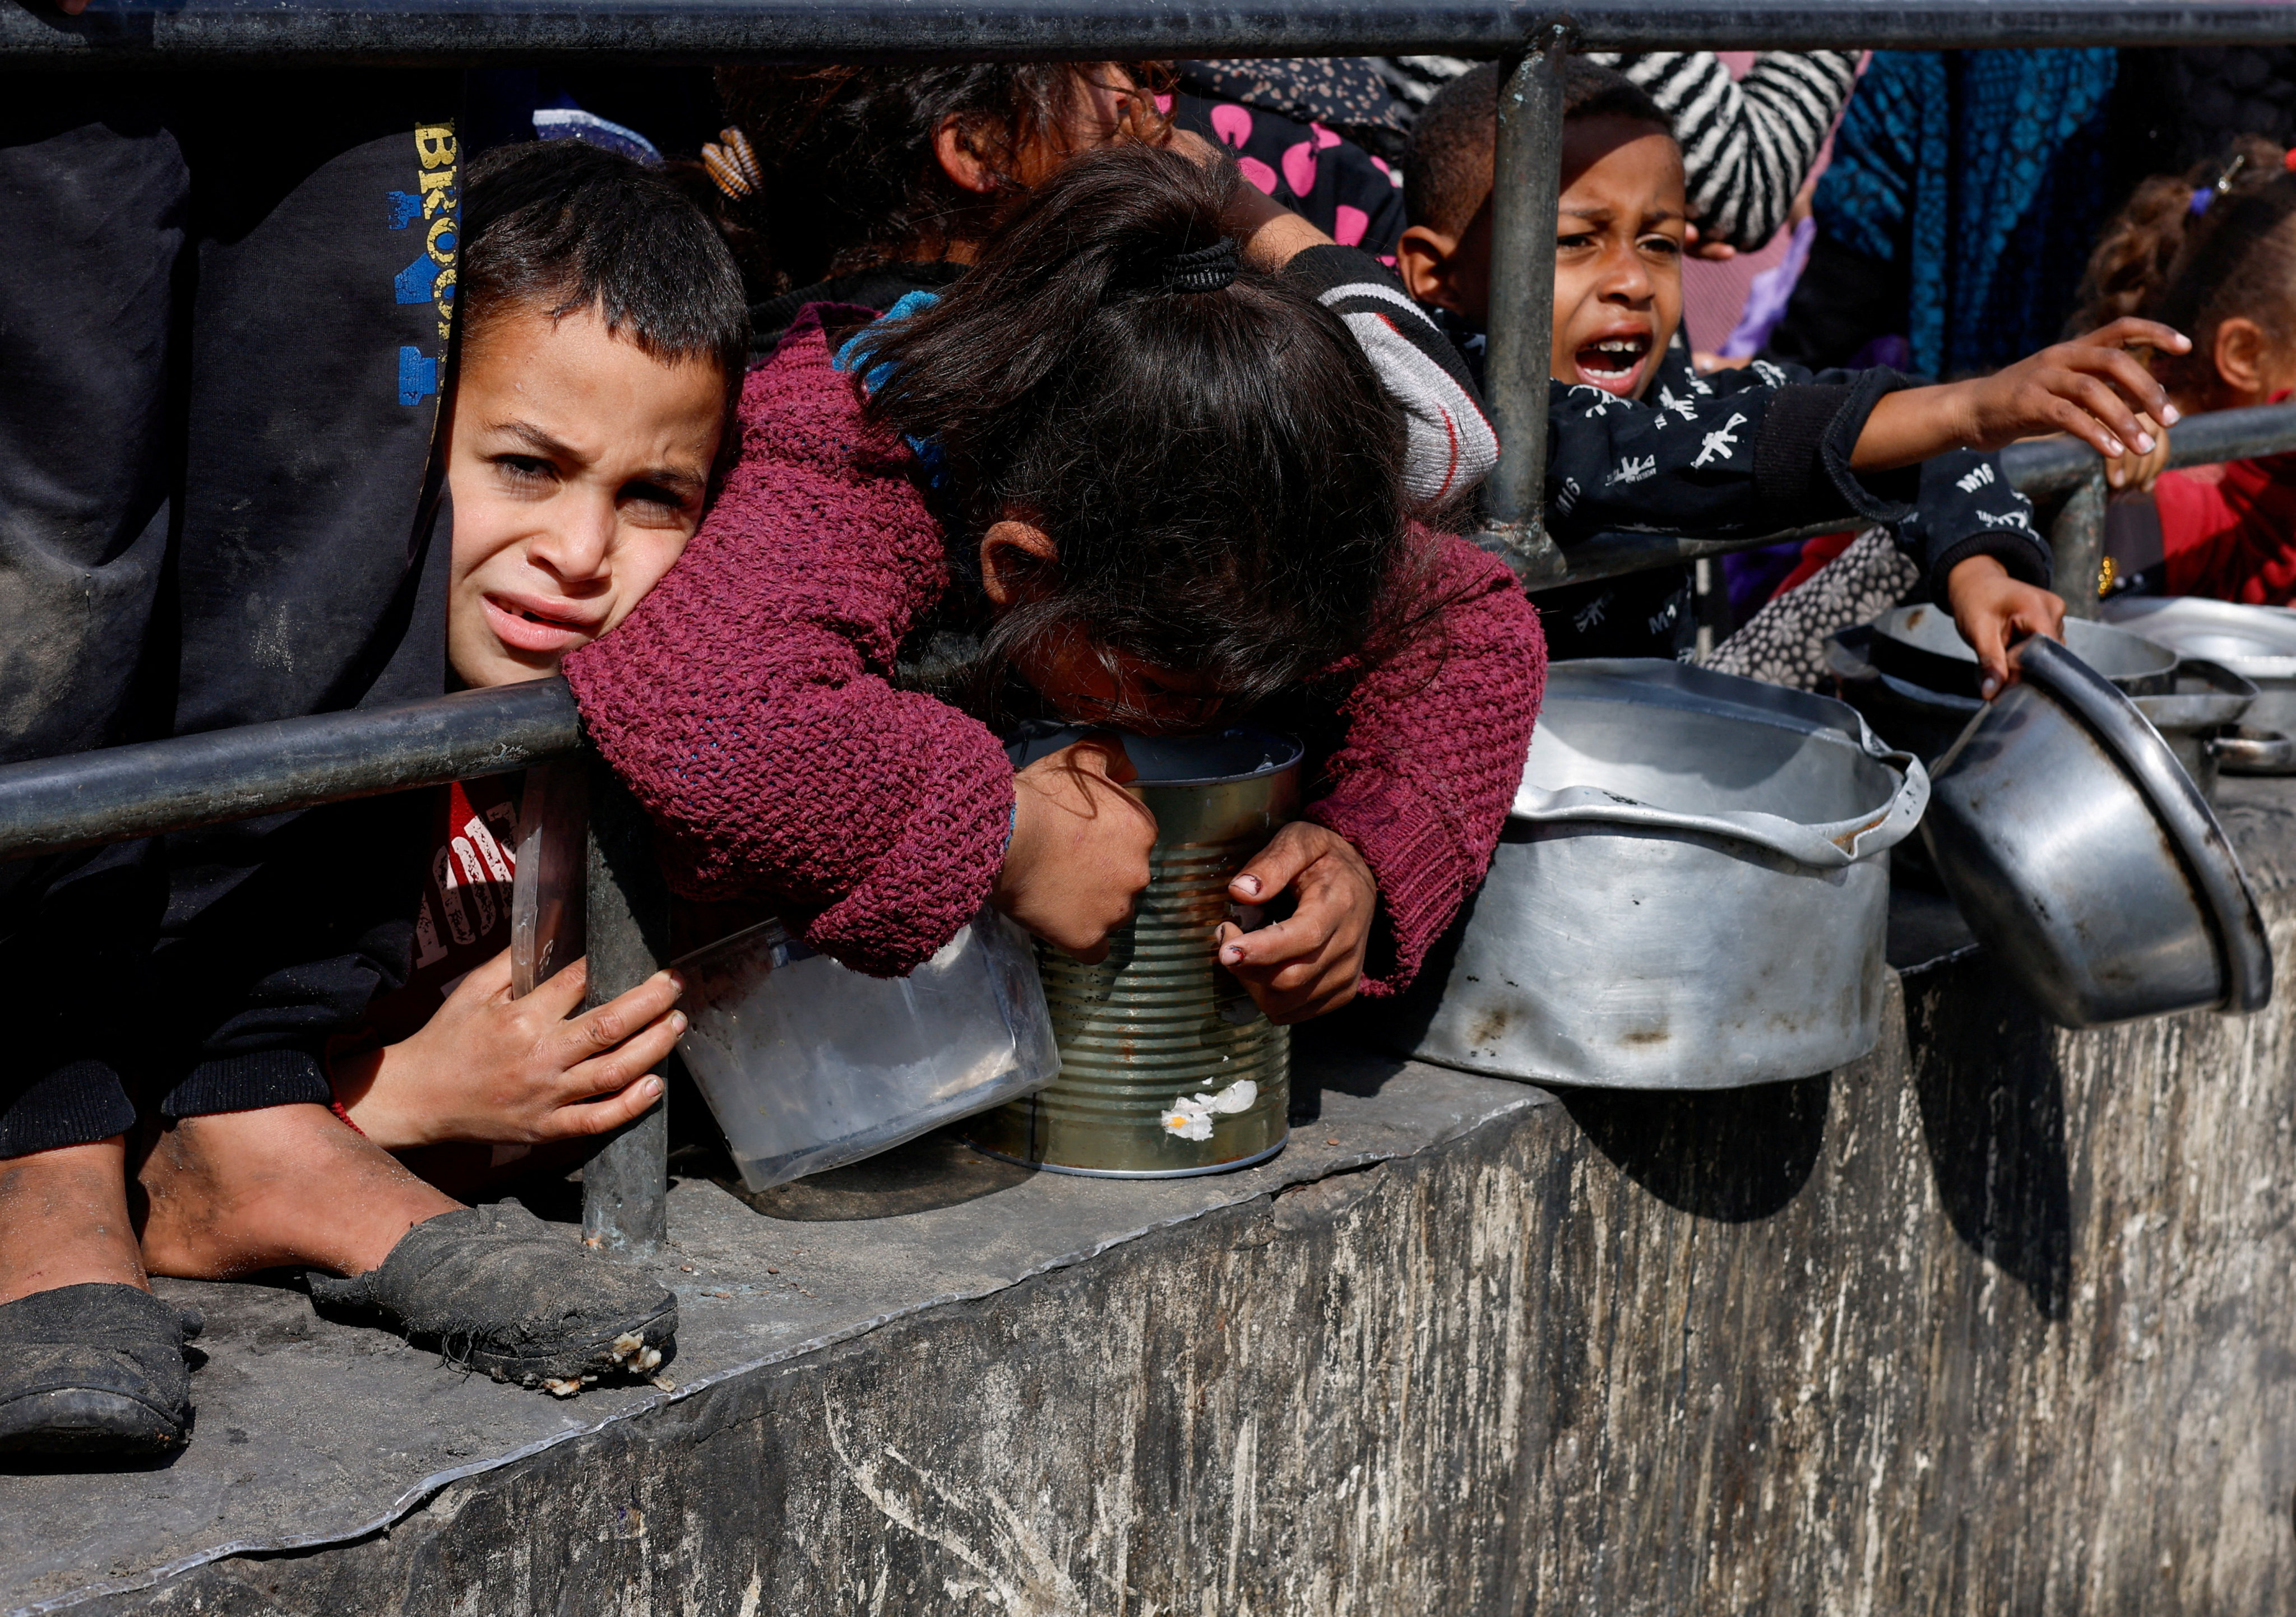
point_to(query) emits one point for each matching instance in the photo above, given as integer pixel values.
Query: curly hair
(849, 175)
(1220, 470)
(2194, 249)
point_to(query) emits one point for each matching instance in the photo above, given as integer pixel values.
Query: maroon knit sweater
(747, 704)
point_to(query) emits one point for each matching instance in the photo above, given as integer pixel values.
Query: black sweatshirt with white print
(1746, 452)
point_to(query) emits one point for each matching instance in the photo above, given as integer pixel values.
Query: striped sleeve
(1747, 144)
(1451, 446)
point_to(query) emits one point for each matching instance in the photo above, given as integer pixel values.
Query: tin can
(1168, 1068)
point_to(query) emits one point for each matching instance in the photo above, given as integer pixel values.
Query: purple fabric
(1768, 296)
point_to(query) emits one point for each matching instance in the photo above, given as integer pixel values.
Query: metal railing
(60, 804)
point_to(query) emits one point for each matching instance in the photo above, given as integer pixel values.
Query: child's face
(1618, 254)
(577, 465)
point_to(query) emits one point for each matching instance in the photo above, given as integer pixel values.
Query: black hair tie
(1203, 269)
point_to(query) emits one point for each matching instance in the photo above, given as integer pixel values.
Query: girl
(1121, 472)
(860, 186)
(2213, 253)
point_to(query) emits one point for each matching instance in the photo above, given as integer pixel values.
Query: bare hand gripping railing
(59, 804)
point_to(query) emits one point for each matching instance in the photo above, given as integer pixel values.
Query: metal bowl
(2258, 643)
(1923, 721)
(2086, 861)
(1920, 644)
(1691, 892)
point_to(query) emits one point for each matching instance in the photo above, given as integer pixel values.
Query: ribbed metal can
(1168, 1068)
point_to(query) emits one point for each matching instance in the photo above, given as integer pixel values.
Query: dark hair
(2161, 258)
(849, 177)
(557, 226)
(1447, 173)
(1220, 470)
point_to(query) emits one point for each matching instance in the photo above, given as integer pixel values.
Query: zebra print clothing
(1747, 144)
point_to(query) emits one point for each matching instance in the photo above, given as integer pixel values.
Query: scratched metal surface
(1990, 1321)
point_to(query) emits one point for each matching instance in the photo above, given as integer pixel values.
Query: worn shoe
(94, 1369)
(495, 1288)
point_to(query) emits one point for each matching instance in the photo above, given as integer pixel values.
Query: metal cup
(1157, 1042)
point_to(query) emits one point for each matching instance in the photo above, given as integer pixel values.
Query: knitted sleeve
(1437, 734)
(746, 700)
(1747, 144)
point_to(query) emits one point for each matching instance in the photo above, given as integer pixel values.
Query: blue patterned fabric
(1983, 173)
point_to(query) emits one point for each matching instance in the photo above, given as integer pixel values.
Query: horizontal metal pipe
(191, 33)
(122, 793)
(2046, 466)
(119, 794)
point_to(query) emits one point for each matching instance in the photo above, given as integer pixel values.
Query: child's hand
(1993, 609)
(488, 1067)
(1078, 855)
(1271, 234)
(1311, 963)
(2091, 387)
(2139, 471)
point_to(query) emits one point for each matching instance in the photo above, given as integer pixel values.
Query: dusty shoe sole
(636, 1351)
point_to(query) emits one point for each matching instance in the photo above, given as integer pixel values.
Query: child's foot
(63, 1220)
(497, 1289)
(94, 1369)
(285, 1186)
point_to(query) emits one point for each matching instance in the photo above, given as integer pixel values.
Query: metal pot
(2258, 643)
(2086, 861)
(1921, 646)
(1691, 893)
(2197, 715)
(1168, 1068)
(2199, 719)
(1904, 714)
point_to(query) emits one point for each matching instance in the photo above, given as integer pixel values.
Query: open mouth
(1614, 364)
(517, 624)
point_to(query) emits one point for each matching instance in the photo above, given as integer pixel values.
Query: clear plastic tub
(807, 1064)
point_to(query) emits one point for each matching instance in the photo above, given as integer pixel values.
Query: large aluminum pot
(2258, 643)
(1920, 644)
(2086, 861)
(1168, 1068)
(1691, 891)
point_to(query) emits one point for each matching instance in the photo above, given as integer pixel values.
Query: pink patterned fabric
(746, 703)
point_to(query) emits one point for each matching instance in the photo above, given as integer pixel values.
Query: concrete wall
(1995, 1321)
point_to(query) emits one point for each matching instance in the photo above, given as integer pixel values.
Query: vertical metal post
(626, 1186)
(1526, 183)
(2077, 537)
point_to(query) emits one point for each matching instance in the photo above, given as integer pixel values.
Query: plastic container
(808, 1065)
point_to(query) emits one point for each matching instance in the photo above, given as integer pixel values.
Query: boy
(604, 346)
(1641, 443)
(604, 342)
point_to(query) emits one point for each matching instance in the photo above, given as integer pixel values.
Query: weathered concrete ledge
(1993, 1320)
